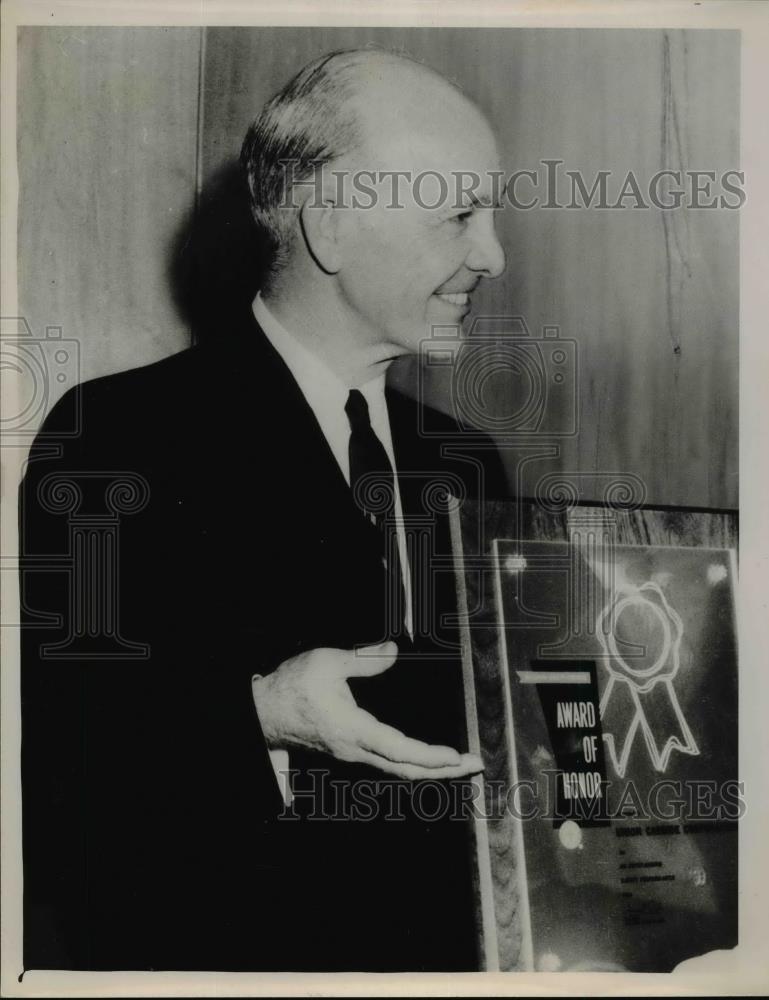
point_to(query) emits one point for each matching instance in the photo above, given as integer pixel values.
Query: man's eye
(461, 216)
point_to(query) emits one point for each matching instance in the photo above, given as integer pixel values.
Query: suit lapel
(279, 432)
(278, 427)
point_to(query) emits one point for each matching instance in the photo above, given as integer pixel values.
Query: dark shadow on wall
(217, 261)
(217, 258)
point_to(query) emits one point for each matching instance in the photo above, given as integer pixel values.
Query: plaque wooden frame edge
(482, 866)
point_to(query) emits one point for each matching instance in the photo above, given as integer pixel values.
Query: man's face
(406, 269)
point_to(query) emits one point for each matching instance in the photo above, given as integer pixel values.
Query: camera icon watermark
(36, 371)
(503, 380)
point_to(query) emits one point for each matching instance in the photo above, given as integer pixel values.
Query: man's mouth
(454, 298)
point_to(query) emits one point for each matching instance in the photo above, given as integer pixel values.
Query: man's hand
(307, 703)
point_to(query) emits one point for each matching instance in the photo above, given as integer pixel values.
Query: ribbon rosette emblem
(640, 693)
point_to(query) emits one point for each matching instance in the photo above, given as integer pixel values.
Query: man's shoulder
(430, 421)
(180, 393)
(142, 385)
(433, 425)
(137, 412)
(433, 439)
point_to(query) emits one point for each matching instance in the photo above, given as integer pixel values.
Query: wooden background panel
(649, 297)
(107, 163)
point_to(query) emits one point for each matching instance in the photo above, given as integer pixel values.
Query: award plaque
(601, 692)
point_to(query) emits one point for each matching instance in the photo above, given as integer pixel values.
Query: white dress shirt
(327, 396)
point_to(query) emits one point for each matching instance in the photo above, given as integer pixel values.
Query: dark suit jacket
(152, 836)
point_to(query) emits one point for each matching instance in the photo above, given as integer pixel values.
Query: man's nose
(486, 255)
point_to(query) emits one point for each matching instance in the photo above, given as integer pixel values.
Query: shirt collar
(321, 387)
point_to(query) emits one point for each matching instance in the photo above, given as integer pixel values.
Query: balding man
(288, 574)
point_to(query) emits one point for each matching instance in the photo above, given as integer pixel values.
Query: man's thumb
(368, 661)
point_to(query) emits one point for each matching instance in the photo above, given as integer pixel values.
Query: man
(283, 607)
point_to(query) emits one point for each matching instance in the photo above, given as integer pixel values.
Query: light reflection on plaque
(618, 674)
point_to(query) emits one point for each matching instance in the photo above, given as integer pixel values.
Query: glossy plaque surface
(603, 696)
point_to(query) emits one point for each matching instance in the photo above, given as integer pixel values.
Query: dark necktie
(372, 482)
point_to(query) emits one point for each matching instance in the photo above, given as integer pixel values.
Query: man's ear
(322, 230)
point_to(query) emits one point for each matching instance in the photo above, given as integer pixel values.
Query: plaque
(601, 692)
